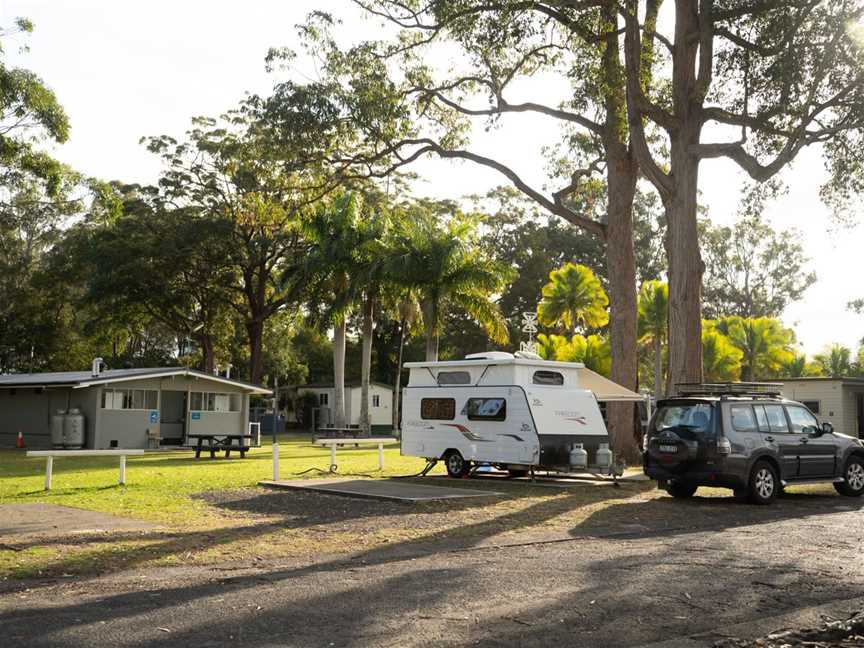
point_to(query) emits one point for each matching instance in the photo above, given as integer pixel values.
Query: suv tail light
(645, 442)
(724, 447)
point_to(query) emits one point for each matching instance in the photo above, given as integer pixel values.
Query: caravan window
(486, 409)
(548, 378)
(439, 409)
(454, 378)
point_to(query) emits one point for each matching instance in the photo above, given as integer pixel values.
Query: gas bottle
(73, 429)
(604, 456)
(578, 456)
(57, 419)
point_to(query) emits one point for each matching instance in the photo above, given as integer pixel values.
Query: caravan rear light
(645, 443)
(724, 447)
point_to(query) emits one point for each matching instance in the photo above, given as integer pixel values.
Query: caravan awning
(605, 389)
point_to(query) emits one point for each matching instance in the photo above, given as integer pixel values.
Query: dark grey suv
(744, 436)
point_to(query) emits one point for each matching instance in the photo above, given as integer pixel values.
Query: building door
(860, 399)
(173, 417)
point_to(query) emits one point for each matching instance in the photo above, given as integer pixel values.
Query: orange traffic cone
(19, 442)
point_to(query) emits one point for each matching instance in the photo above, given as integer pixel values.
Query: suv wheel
(681, 490)
(853, 478)
(764, 483)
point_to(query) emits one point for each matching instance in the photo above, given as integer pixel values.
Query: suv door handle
(769, 439)
(805, 440)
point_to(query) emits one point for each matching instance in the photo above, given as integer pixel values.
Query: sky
(125, 70)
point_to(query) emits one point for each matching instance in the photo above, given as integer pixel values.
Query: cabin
(837, 400)
(124, 408)
(380, 404)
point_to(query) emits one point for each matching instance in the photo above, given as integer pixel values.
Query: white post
(275, 462)
(381, 456)
(122, 470)
(332, 456)
(49, 468)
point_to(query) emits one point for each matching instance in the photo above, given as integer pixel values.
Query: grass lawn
(212, 511)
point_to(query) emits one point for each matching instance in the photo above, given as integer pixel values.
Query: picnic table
(217, 442)
(337, 432)
(334, 443)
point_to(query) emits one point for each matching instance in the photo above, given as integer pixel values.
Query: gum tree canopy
(754, 81)
(405, 107)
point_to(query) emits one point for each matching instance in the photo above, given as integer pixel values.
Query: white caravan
(518, 413)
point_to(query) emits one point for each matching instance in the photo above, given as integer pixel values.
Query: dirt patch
(838, 633)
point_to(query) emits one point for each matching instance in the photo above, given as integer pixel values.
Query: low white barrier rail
(50, 454)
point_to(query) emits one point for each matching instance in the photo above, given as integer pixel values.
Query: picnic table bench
(50, 454)
(337, 432)
(218, 442)
(334, 443)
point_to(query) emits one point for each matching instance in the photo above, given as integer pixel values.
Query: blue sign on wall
(196, 416)
(154, 417)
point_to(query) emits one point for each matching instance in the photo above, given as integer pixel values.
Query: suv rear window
(695, 417)
(743, 419)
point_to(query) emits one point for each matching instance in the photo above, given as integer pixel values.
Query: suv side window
(761, 418)
(776, 418)
(803, 422)
(743, 419)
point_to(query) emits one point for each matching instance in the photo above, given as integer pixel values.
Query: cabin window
(215, 402)
(454, 378)
(129, 399)
(376, 400)
(438, 409)
(486, 409)
(812, 405)
(548, 378)
(323, 399)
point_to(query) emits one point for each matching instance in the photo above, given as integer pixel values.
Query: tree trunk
(658, 368)
(255, 331)
(397, 393)
(430, 321)
(366, 363)
(339, 374)
(622, 174)
(685, 265)
(208, 353)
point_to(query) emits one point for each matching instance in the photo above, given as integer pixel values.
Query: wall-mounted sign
(154, 416)
(196, 416)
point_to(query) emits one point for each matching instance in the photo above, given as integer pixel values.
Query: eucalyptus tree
(229, 170)
(772, 78)
(441, 262)
(573, 298)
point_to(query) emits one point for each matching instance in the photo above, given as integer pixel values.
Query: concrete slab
(386, 489)
(50, 519)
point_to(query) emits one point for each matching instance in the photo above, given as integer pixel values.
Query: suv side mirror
(827, 428)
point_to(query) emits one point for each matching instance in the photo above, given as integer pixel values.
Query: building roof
(348, 384)
(81, 379)
(849, 380)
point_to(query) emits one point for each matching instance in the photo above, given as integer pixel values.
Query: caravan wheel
(456, 465)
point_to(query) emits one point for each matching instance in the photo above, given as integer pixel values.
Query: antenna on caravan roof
(529, 326)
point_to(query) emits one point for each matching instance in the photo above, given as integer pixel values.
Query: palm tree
(766, 346)
(721, 361)
(835, 361)
(402, 306)
(574, 298)
(442, 264)
(550, 346)
(653, 324)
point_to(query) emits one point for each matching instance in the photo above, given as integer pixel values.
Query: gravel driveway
(681, 573)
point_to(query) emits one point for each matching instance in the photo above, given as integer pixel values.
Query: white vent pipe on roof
(96, 369)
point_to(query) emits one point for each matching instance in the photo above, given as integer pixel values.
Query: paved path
(686, 587)
(18, 520)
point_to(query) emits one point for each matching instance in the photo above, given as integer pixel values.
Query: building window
(214, 402)
(486, 409)
(130, 399)
(376, 400)
(812, 405)
(548, 378)
(454, 378)
(323, 399)
(438, 409)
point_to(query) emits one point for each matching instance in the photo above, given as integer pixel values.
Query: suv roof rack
(730, 389)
